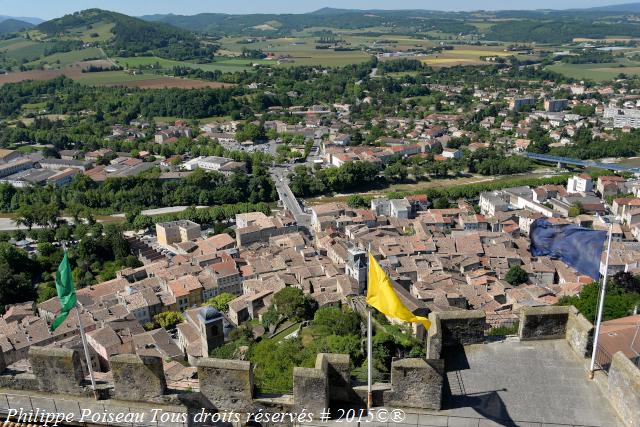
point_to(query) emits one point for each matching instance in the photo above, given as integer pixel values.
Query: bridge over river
(584, 163)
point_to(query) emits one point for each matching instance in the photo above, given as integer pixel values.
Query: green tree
(25, 216)
(617, 303)
(14, 287)
(357, 201)
(168, 319)
(516, 275)
(627, 281)
(336, 321)
(270, 318)
(576, 209)
(348, 344)
(441, 203)
(274, 362)
(292, 303)
(221, 301)
(396, 171)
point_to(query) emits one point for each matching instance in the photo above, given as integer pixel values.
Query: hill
(13, 26)
(627, 7)
(257, 24)
(30, 20)
(131, 36)
(543, 26)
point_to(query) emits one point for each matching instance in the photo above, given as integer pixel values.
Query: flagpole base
(369, 400)
(590, 375)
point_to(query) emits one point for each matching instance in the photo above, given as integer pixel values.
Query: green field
(230, 65)
(113, 77)
(60, 60)
(35, 106)
(102, 30)
(21, 49)
(597, 72)
(301, 50)
(203, 121)
(466, 55)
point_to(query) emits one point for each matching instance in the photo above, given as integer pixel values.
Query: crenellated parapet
(137, 384)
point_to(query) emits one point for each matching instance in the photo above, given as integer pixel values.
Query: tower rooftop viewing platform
(512, 383)
(532, 383)
(537, 378)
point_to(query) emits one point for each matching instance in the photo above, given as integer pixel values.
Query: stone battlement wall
(138, 383)
(224, 385)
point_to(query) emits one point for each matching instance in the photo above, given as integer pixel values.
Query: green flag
(66, 291)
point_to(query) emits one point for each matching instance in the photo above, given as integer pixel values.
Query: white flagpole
(601, 305)
(86, 352)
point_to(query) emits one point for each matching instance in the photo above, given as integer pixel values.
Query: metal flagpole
(369, 343)
(84, 339)
(601, 305)
(86, 352)
(369, 361)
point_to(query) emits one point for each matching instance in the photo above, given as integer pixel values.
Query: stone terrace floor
(512, 383)
(532, 383)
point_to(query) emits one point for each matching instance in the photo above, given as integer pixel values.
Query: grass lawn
(424, 185)
(400, 74)
(202, 121)
(282, 334)
(35, 106)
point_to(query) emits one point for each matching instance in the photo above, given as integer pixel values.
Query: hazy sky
(47, 9)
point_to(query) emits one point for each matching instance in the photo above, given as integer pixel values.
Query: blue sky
(47, 9)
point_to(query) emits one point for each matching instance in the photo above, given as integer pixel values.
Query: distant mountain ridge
(13, 26)
(30, 20)
(625, 7)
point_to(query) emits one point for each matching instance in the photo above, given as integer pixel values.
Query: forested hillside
(558, 31)
(133, 36)
(261, 24)
(13, 25)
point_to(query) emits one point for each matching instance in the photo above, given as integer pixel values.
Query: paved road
(289, 201)
(162, 211)
(7, 224)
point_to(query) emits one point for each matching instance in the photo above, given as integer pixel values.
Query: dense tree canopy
(618, 302)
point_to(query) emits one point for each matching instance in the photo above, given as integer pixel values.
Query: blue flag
(579, 247)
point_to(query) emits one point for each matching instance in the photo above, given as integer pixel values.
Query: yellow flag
(382, 297)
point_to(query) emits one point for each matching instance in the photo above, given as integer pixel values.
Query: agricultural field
(63, 59)
(300, 49)
(29, 75)
(144, 81)
(229, 65)
(597, 72)
(99, 32)
(19, 49)
(465, 55)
